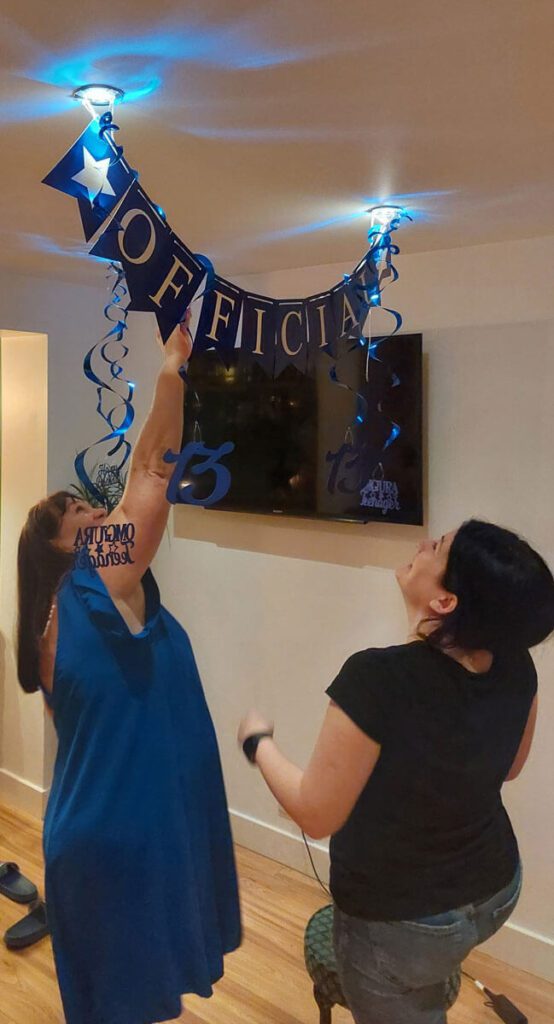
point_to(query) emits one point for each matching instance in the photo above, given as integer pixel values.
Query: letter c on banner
(125, 221)
(284, 342)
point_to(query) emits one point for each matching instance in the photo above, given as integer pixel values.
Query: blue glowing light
(34, 108)
(305, 229)
(139, 63)
(393, 435)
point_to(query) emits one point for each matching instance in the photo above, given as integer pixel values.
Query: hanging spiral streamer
(107, 127)
(380, 271)
(114, 391)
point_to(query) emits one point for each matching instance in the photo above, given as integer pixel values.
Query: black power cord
(501, 1005)
(323, 886)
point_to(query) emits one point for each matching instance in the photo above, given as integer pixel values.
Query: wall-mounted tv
(304, 445)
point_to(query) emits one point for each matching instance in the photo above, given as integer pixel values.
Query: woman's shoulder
(397, 654)
(382, 666)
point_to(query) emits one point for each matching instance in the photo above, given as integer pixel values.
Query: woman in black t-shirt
(407, 771)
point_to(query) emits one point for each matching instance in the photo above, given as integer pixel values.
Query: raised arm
(144, 502)
(320, 799)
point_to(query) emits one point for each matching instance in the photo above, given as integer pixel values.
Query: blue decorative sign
(181, 487)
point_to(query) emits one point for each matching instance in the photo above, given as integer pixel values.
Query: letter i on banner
(219, 320)
(258, 332)
(291, 329)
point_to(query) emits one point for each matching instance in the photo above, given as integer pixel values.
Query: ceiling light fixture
(98, 99)
(383, 216)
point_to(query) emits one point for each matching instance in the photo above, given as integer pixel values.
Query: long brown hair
(40, 568)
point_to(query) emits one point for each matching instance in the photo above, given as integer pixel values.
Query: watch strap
(250, 745)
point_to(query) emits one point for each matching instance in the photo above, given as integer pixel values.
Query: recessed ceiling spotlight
(383, 216)
(98, 99)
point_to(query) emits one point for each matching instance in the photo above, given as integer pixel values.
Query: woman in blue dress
(141, 886)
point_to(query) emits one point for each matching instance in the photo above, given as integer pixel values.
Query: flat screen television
(304, 445)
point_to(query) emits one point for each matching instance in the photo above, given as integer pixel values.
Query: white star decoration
(94, 176)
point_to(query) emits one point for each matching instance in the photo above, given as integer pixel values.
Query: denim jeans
(394, 972)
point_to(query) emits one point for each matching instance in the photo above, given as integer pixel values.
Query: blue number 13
(177, 494)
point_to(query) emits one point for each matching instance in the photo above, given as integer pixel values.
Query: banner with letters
(162, 275)
(155, 271)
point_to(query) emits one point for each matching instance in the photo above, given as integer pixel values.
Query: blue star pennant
(92, 170)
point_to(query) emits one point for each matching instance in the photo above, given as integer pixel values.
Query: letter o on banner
(126, 220)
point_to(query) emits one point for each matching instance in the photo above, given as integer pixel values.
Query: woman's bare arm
(144, 502)
(320, 798)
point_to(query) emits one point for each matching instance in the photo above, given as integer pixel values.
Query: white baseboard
(22, 795)
(513, 944)
(280, 845)
(524, 949)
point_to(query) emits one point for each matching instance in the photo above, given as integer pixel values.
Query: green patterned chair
(322, 968)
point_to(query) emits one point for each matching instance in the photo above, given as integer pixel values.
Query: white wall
(72, 317)
(69, 319)
(274, 607)
(23, 464)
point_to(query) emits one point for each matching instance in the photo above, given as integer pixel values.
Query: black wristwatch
(250, 745)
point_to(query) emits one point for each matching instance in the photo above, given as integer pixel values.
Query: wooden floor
(265, 981)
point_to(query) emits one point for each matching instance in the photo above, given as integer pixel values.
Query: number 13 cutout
(177, 493)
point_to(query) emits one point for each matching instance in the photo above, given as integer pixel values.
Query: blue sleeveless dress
(141, 886)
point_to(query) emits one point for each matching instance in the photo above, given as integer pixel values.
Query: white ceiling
(264, 129)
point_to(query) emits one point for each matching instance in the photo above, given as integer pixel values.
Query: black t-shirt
(429, 832)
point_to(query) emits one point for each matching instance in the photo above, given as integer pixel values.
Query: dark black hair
(505, 592)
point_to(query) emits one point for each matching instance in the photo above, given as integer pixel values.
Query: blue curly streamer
(107, 126)
(369, 295)
(105, 388)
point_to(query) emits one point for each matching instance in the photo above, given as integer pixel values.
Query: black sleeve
(361, 692)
